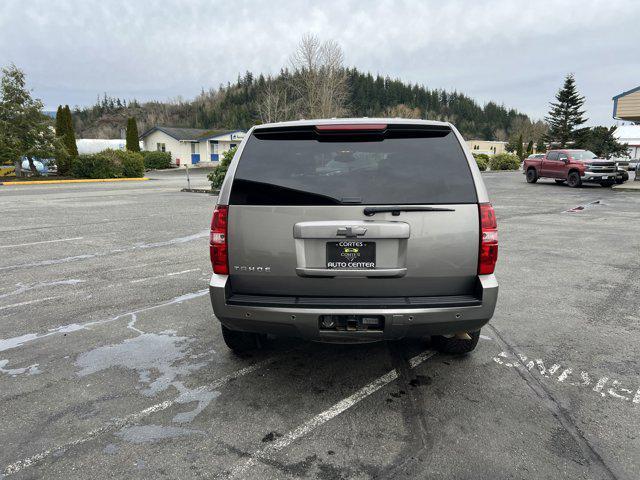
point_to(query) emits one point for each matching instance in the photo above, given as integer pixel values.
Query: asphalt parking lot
(113, 366)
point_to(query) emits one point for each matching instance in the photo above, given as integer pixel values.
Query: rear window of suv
(395, 167)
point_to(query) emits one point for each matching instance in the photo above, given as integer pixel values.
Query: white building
(191, 146)
(96, 145)
(488, 147)
(629, 134)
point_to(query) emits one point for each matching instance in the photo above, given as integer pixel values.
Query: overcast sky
(509, 51)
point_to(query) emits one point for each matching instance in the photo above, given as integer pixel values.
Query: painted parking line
(239, 471)
(29, 302)
(130, 248)
(605, 386)
(117, 424)
(44, 241)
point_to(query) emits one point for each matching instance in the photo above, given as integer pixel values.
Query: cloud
(512, 52)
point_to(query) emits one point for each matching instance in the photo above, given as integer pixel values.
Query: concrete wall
(179, 150)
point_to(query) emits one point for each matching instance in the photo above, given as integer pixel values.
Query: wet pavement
(112, 364)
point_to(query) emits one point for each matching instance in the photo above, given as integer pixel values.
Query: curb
(627, 188)
(83, 180)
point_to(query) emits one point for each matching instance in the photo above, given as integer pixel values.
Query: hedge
(154, 159)
(504, 161)
(108, 164)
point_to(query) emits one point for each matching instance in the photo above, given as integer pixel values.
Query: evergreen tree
(519, 148)
(540, 146)
(133, 142)
(530, 147)
(62, 156)
(566, 116)
(60, 122)
(69, 136)
(602, 142)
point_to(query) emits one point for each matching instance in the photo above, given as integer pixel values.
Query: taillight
(218, 240)
(488, 254)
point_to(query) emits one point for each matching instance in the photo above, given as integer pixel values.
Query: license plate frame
(351, 255)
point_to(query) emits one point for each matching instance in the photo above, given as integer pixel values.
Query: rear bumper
(399, 322)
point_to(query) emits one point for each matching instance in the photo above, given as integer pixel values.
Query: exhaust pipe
(462, 336)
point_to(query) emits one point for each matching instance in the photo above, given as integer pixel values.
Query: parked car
(574, 167)
(354, 230)
(41, 166)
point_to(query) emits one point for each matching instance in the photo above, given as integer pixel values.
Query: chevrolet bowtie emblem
(351, 232)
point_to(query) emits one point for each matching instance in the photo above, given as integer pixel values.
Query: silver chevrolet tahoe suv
(354, 230)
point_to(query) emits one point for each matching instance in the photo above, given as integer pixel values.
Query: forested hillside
(244, 103)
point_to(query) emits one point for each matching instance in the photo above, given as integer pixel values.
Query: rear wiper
(395, 210)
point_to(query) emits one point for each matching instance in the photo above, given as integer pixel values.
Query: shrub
(504, 161)
(108, 164)
(482, 159)
(154, 159)
(216, 177)
(132, 163)
(98, 165)
(482, 163)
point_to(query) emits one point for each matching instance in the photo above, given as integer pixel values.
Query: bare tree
(402, 111)
(319, 79)
(274, 104)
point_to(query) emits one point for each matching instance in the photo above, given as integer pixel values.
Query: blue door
(195, 158)
(215, 157)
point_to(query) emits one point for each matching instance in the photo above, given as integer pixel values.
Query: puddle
(161, 361)
(153, 433)
(14, 372)
(9, 343)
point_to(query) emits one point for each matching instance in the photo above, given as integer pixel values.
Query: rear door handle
(330, 272)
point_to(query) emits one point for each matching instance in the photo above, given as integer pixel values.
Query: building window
(161, 147)
(215, 148)
(233, 145)
(195, 147)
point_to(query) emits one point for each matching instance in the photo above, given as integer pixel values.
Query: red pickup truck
(573, 167)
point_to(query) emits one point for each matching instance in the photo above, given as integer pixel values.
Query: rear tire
(532, 175)
(240, 342)
(574, 180)
(560, 181)
(454, 345)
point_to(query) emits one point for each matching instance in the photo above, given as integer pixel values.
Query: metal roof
(217, 133)
(188, 134)
(626, 93)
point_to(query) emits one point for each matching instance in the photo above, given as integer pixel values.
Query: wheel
(560, 181)
(574, 180)
(607, 183)
(240, 342)
(532, 175)
(454, 345)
